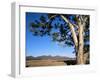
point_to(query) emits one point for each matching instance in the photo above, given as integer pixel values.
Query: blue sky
(37, 46)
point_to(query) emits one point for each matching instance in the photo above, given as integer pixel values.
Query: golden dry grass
(49, 62)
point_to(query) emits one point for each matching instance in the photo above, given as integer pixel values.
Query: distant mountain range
(46, 57)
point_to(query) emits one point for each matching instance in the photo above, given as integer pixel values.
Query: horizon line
(51, 56)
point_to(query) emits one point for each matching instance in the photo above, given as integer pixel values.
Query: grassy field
(49, 62)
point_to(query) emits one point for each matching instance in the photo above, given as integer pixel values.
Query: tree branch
(51, 18)
(72, 30)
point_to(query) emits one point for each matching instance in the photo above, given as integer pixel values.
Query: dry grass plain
(34, 63)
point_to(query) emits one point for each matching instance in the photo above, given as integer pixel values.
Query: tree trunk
(86, 58)
(80, 55)
(79, 44)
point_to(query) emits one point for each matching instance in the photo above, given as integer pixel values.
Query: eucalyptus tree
(66, 29)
